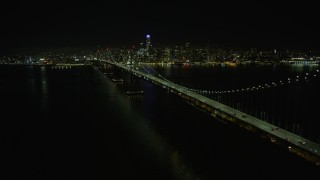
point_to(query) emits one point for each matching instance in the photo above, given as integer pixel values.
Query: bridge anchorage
(229, 110)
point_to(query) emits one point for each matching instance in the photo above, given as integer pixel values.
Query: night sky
(119, 23)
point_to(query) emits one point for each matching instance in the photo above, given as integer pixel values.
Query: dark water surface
(78, 124)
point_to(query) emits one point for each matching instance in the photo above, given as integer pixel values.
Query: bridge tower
(130, 58)
(133, 84)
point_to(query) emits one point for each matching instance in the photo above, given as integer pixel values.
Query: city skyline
(235, 25)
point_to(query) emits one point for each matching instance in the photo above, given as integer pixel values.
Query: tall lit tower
(148, 42)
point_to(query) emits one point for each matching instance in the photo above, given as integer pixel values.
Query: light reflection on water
(165, 153)
(142, 131)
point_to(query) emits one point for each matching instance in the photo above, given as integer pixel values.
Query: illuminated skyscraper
(148, 42)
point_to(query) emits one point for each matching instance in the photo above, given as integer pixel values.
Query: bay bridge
(231, 112)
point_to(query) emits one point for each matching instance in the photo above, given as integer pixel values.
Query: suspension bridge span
(294, 143)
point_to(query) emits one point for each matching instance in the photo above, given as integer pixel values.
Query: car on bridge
(302, 142)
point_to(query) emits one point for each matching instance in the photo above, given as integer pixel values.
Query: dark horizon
(228, 25)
